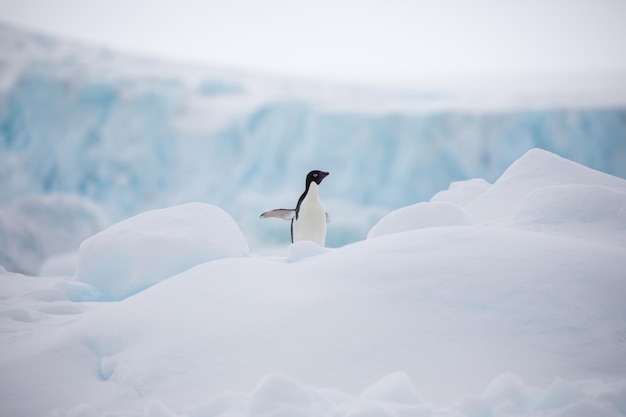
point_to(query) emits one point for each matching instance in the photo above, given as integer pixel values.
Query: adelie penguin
(308, 219)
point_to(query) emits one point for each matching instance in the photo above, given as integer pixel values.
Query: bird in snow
(308, 219)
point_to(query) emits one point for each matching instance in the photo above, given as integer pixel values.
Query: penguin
(308, 219)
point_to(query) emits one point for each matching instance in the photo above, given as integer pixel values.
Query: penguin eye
(315, 175)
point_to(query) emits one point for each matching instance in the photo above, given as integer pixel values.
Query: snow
(420, 215)
(502, 295)
(525, 175)
(59, 265)
(304, 249)
(518, 315)
(462, 192)
(141, 251)
(580, 203)
(134, 134)
(35, 227)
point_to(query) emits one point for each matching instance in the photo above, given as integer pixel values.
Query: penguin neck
(309, 196)
(312, 190)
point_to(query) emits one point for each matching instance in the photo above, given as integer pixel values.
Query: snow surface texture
(420, 215)
(141, 251)
(520, 313)
(134, 134)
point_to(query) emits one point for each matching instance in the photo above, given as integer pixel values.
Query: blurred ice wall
(133, 134)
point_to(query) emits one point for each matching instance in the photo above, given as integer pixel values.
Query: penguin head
(316, 177)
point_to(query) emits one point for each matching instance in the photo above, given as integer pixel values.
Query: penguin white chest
(310, 223)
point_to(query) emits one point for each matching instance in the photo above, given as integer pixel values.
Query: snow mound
(36, 227)
(152, 246)
(278, 395)
(304, 249)
(440, 310)
(462, 193)
(420, 216)
(396, 387)
(508, 395)
(536, 169)
(575, 203)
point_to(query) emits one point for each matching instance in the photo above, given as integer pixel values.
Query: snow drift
(420, 215)
(519, 315)
(141, 251)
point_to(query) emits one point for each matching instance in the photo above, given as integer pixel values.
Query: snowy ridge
(526, 174)
(520, 315)
(133, 134)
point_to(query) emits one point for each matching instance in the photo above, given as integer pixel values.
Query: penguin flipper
(327, 217)
(285, 214)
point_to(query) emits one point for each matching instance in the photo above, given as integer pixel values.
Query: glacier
(132, 133)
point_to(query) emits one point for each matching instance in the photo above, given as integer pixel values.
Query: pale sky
(378, 40)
